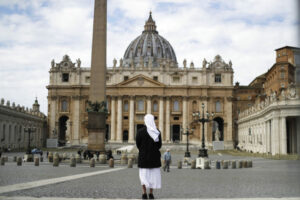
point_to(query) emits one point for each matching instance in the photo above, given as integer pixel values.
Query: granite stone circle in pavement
(267, 178)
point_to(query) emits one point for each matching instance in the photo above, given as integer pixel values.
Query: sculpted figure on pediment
(292, 91)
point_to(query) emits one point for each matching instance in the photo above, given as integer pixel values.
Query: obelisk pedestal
(97, 118)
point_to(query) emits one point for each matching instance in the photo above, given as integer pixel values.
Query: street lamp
(29, 131)
(187, 132)
(197, 117)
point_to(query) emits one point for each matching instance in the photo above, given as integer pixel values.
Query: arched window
(64, 106)
(141, 106)
(176, 105)
(155, 106)
(218, 106)
(125, 108)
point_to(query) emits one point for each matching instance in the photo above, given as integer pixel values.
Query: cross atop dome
(150, 25)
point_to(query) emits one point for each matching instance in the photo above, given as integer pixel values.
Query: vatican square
(165, 99)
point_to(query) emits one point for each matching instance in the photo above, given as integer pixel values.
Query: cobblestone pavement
(267, 178)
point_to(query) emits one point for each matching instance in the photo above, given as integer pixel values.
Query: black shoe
(144, 196)
(151, 196)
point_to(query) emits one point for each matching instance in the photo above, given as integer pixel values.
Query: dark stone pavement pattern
(267, 178)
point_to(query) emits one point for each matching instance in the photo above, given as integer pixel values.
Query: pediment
(140, 81)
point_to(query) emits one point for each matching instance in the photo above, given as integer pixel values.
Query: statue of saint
(78, 62)
(52, 63)
(114, 62)
(204, 63)
(184, 63)
(121, 62)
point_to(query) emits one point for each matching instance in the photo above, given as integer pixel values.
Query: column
(52, 117)
(275, 136)
(161, 118)
(131, 120)
(119, 120)
(298, 135)
(74, 137)
(168, 136)
(283, 136)
(184, 117)
(148, 105)
(113, 119)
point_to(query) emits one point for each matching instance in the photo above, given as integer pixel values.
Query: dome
(149, 49)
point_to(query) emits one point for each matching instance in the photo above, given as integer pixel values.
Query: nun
(148, 142)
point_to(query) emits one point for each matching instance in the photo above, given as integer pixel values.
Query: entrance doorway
(218, 129)
(62, 130)
(125, 136)
(176, 133)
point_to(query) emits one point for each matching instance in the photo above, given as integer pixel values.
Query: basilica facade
(147, 79)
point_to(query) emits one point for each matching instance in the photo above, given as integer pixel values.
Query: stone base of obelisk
(96, 130)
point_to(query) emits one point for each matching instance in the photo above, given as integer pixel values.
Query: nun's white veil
(151, 127)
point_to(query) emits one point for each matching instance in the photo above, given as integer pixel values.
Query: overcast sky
(33, 32)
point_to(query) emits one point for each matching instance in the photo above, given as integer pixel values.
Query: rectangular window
(125, 117)
(218, 78)
(65, 77)
(176, 118)
(282, 75)
(176, 79)
(195, 79)
(87, 79)
(155, 78)
(126, 78)
(107, 78)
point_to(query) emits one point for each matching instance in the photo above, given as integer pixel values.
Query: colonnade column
(131, 119)
(74, 138)
(283, 136)
(119, 120)
(161, 117)
(184, 117)
(148, 105)
(113, 119)
(168, 138)
(275, 136)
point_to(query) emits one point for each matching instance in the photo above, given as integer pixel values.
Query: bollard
(206, 164)
(249, 163)
(245, 164)
(41, 159)
(225, 165)
(2, 161)
(179, 165)
(55, 162)
(78, 158)
(72, 162)
(102, 159)
(240, 164)
(132, 157)
(15, 159)
(92, 162)
(19, 161)
(130, 163)
(50, 157)
(193, 164)
(36, 162)
(124, 159)
(111, 163)
(218, 164)
(233, 164)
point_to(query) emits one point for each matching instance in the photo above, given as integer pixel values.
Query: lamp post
(29, 131)
(187, 132)
(197, 117)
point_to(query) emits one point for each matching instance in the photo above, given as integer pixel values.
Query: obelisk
(96, 120)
